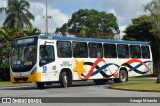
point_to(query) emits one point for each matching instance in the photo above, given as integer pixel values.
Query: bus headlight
(34, 70)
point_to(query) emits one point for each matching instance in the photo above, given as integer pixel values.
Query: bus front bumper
(30, 78)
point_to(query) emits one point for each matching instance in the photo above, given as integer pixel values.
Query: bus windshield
(23, 57)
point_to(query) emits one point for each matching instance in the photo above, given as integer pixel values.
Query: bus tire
(64, 80)
(100, 81)
(40, 85)
(69, 80)
(123, 77)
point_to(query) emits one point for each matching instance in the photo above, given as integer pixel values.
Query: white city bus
(46, 59)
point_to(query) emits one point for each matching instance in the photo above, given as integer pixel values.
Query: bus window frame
(57, 49)
(86, 49)
(149, 50)
(139, 49)
(115, 50)
(102, 55)
(125, 54)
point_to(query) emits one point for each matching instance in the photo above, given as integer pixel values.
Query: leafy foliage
(5, 49)
(90, 23)
(18, 14)
(29, 31)
(17, 18)
(154, 8)
(140, 30)
(6, 34)
(6, 37)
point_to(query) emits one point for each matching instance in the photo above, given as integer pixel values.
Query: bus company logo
(6, 100)
(66, 63)
(95, 69)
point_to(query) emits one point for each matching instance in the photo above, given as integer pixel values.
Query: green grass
(138, 85)
(9, 84)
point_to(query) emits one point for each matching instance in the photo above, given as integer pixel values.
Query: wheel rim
(123, 77)
(65, 80)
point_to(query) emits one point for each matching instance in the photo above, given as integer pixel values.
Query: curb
(133, 89)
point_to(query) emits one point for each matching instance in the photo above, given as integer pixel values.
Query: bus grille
(21, 79)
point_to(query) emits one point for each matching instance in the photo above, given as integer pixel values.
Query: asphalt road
(79, 89)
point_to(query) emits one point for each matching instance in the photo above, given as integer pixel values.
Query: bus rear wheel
(123, 77)
(64, 80)
(40, 85)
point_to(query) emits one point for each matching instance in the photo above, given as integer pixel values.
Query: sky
(62, 10)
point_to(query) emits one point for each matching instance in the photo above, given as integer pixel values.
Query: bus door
(47, 61)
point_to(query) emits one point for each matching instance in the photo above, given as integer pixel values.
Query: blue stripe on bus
(91, 39)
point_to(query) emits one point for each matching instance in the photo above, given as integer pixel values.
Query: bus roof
(88, 39)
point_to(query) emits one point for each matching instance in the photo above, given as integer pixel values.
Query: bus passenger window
(135, 51)
(80, 49)
(123, 51)
(108, 55)
(64, 49)
(95, 50)
(145, 52)
(110, 50)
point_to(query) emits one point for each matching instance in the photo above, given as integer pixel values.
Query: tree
(92, 21)
(29, 31)
(6, 34)
(85, 32)
(5, 50)
(140, 30)
(154, 8)
(18, 15)
(63, 30)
